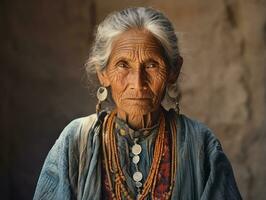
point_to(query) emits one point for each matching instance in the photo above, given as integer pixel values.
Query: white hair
(118, 22)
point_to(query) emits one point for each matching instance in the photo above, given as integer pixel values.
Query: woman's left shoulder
(194, 124)
(195, 131)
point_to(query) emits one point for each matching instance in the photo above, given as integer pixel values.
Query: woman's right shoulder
(62, 160)
(74, 128)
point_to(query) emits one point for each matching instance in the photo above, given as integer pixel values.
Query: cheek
(118, 85)
(157, 82)
(116, 77)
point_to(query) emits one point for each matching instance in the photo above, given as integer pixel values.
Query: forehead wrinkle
(141, 47)
(137, 47)
(152, 55)
(127, 55)
(137, 37)
(130, 39)
(127, 46)
(138, 54)
(134, 36)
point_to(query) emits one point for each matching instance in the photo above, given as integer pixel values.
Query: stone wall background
(45, 43)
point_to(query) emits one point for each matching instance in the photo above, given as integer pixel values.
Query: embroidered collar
(124, 130)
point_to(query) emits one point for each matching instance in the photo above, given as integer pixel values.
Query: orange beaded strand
(112, 163)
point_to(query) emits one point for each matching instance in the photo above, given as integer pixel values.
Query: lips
(138, 96)
(138, 99)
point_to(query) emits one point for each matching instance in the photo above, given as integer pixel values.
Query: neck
(139, 121)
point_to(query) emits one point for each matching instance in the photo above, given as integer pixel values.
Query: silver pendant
(136, 149)
(135, 159)
(137, 176)
(138, 184)
(102, 94)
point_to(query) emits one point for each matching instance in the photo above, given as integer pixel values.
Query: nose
(138, 80)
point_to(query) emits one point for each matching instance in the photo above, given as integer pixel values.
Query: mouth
(139, 99)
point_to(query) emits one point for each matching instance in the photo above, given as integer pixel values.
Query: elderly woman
(138, 150)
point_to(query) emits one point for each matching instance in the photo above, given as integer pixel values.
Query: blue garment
(73, 171)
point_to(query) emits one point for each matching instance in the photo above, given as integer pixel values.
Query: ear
(175, 71)
(103, 78)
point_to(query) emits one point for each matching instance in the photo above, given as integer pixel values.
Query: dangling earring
(177, 109)
(174, 94)
(102, 94)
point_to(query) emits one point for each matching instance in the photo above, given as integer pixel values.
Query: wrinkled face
(136, 72)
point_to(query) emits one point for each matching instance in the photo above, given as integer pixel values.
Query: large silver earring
(102, 94)
(174, 94)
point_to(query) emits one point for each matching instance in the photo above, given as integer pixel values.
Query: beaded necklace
(119, 189)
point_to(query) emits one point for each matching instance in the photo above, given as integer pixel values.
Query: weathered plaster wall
(45, 43)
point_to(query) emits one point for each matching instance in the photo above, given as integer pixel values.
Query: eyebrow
(120, 58)
(150, 59)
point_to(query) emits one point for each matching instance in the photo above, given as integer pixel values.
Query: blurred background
(45, 43)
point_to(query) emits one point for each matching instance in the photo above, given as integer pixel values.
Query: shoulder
(80, 130)
(61, 163)
(66, 145)
(78, 122)
(196, 133)
(194, 127)
(69, 138)
(193, 124)
(73, 128)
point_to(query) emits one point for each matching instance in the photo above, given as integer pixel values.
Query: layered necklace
(118, 187)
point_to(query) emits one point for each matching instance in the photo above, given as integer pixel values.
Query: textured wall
(43, 47)
(44, 44)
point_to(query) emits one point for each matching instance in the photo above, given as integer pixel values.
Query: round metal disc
(138, 184)
(102, 93)
(137, 176)
(135, 159)
(136, 149)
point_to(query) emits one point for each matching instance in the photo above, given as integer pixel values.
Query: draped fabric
(73, 170)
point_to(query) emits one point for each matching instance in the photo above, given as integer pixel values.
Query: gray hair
(118, 22)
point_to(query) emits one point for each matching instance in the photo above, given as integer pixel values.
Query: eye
(151, 64)
(122, 64)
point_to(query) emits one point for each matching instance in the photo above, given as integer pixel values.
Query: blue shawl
(72, 169)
